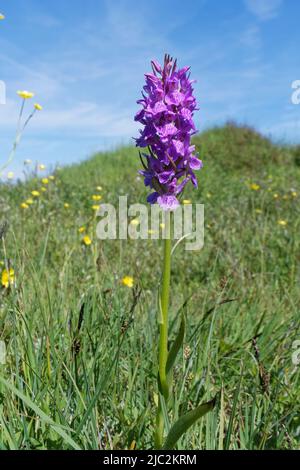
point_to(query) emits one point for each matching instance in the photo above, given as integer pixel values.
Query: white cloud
(45, 20)
(84, 118)
(251, 37)
(88, 88)
(264, 9)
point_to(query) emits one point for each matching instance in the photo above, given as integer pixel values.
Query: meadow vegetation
(81, 365)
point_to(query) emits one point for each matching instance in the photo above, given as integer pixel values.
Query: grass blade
(28, 402)
(176, 346)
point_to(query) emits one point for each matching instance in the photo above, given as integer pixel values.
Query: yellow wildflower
(51, 177)
(66, 205)
(45, 181)
(86, 240)
(24, 205)
(29, 201)
(276, 196)
(128, 281)
(96, 197)
(162, 226)
(42, 167)
(132, 445)
(208, 195)
(95, 207)
(283, 223)
(8, 277)
(135, 222)
(35, 193)
(294, 194)
(38, 107)
(187, 201)
(43, 189)
(10, 175)
(99, 188)
(26, 95)
(254, 187)
(81, 229)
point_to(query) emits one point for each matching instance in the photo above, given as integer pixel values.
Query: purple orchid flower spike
(168, 106)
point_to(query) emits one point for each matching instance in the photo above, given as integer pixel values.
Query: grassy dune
(80, 369)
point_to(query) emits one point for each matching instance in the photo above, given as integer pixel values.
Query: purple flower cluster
(167, 111)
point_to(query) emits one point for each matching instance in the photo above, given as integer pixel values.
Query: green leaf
(176, 346)
(185, 422)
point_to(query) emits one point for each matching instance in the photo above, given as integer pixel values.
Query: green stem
(163, 337)
(17, 139)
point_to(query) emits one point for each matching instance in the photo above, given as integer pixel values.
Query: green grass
(81, 361)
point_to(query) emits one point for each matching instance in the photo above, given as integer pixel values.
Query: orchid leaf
(185, 422)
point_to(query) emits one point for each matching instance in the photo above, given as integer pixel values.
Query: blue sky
(85, 61)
